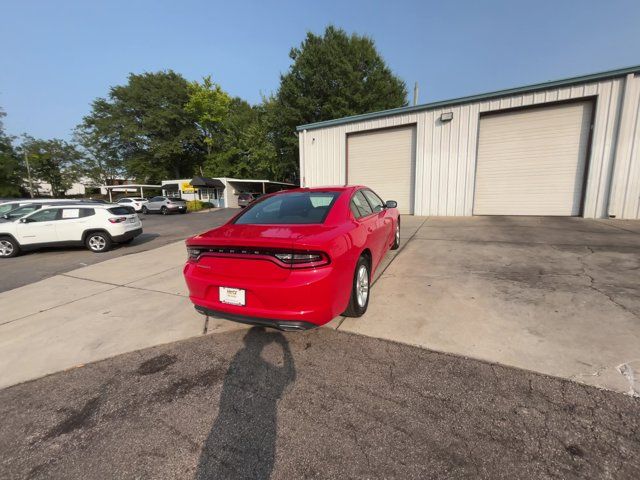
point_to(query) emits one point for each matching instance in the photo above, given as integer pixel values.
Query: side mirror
(391, 204)
(23, 220)
(5, 216)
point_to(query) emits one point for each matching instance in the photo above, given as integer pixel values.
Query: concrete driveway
(556, 296)
(560, 296)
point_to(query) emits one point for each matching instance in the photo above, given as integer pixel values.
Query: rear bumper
(177, 208)
(304, 298)
(285, 325)
(127, 235)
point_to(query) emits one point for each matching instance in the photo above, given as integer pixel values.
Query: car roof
(328, 188)
(82, 204)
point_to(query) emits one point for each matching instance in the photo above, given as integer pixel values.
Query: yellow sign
(187, 188)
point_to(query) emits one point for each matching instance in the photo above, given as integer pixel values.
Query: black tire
(98, 242)
(357, 306)
(8, 247)
(396, 237)
(164, 211)
(145, 210)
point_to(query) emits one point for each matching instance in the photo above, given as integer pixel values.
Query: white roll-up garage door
(533, 161)
(384, 160)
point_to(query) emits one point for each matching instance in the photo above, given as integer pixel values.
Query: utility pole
(415, 93)
(26, 160)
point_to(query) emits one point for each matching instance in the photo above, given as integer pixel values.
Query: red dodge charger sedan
(293, 260)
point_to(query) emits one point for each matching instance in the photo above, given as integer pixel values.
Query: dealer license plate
(233, 296)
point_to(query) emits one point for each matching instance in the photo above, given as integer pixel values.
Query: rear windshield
(290, 208)
(121, 210)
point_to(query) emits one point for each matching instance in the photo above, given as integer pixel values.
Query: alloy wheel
(97, 243)
(6, 248)
(362, 286)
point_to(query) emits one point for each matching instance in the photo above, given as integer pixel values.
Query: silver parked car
(165, 205)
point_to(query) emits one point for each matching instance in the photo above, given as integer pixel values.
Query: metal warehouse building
(568, 148)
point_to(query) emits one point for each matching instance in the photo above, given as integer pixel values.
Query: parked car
(22, 210)
(165, 205)
(244, 199)
(295, 259)
(135, 202)
(11, 205)
(97, 226)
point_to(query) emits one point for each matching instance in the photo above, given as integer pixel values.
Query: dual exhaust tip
(287, 327)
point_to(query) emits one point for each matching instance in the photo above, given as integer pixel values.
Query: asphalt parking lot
(319, 404)
(158, 230)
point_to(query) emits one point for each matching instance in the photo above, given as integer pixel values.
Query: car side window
(69, 213)
(44, 215)
(87, 212)
(361, 205)
(124, 200)
(374, 200)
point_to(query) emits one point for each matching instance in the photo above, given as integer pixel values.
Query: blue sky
(56, 57)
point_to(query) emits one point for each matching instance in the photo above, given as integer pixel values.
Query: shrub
(196, 205)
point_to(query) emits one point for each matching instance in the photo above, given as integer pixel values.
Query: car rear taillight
(303, 259)
(194, 253)
(118, 219)
(291, 259)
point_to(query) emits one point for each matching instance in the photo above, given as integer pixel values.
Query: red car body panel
(278, 294)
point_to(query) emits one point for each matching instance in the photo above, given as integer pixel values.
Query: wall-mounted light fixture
(446, 117)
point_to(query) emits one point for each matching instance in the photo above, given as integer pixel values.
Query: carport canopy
(128, 187)
(207, 182)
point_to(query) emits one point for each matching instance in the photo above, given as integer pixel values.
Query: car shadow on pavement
(242, 440)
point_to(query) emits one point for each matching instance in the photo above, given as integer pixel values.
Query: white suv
(97, 226)
(134, 202)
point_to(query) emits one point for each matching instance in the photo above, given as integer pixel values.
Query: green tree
(244, 149)
(145, 124)
(209, 105)
(332, 76)
(11, 168)
(102, 161)
(55, 162)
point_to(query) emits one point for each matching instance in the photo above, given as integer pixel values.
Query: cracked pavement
(319, 404)
(560, 296)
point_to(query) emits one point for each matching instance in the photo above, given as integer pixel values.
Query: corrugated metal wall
(446, 152)
(625, 196)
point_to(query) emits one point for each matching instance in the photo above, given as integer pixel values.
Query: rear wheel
(164, 211)
(8, 247)
(396, 238)
(98, 242)
(359, 300)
